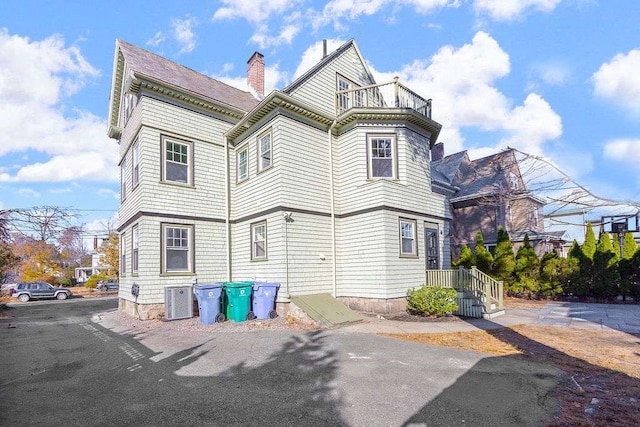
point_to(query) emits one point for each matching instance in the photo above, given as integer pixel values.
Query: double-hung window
(178, 161)
(134, 249)
(123, 254)
(381, 152)
(123, 180)
(177, 248)
(408, 241)
(135, 172)
(259, 241)
(242, 160)
(265, 149)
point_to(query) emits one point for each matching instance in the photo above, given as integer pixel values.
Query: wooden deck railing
(386, 95)
(483, 287)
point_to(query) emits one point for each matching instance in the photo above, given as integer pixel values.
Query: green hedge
(428, 301)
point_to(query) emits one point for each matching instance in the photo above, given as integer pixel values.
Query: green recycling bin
(238, 301)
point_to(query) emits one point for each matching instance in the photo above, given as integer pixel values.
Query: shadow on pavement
(540, 386)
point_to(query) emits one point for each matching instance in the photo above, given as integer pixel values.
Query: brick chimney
(255, 73)
(437, 152)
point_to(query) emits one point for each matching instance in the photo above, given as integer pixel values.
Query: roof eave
(277, 99)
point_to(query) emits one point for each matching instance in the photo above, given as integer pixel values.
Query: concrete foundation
(375, 305)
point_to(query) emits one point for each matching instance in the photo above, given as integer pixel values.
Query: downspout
(333, 210)
(227, 202)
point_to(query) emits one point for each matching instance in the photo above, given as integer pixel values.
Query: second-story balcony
(386, 95)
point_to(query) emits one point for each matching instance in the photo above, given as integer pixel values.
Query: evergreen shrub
(428, 301)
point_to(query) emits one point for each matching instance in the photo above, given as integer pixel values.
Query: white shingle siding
(320, 90)
(368, 262)
(309, 239)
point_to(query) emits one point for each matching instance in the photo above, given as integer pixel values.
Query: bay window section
(381, 152)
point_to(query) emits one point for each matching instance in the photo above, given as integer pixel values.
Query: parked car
(7, 288)
(35, 290)
(108, 286)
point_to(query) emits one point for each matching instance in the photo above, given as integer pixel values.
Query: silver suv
(33, 290)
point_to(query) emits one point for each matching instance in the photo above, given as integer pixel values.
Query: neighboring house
(81, 274)
(323, 186)
(488, 193)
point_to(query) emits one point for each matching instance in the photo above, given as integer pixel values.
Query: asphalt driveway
(85, 367)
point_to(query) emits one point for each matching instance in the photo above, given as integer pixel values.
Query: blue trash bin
(264, 299)
(208, 295)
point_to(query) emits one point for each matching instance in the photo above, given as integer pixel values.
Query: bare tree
(44, 223)
(5, 218)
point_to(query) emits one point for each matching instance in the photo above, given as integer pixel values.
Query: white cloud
(28, 192)
(108, 193)
(509, 10)
(264, 39)
(157, 39)
(337, 11)
(254, 11)
(273, 78)
(183, 33)
(463, 85)
(313, 55)
(618, 81)
(552, 73)
(36, 79)
(626, 150)
(532, 124)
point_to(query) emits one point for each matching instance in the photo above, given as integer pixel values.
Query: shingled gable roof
(327, 59)
(478, 177)
(142, 64)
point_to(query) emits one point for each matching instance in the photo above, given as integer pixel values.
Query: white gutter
(333, 210)
(227, 203)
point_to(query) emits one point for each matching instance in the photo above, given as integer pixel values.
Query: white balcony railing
(386, 95)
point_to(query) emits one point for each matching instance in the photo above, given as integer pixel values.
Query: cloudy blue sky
(558, 79)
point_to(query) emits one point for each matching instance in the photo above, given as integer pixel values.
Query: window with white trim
(242, 161)
(134, 249)
(408, 243)
(123, 180)
(129, 104)
(135, 171)
(381, 156)
(123, 255)
(534, 217)
(177, 162)
(265, 148)
(177, 248)
(259, 241)
(513, 181)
